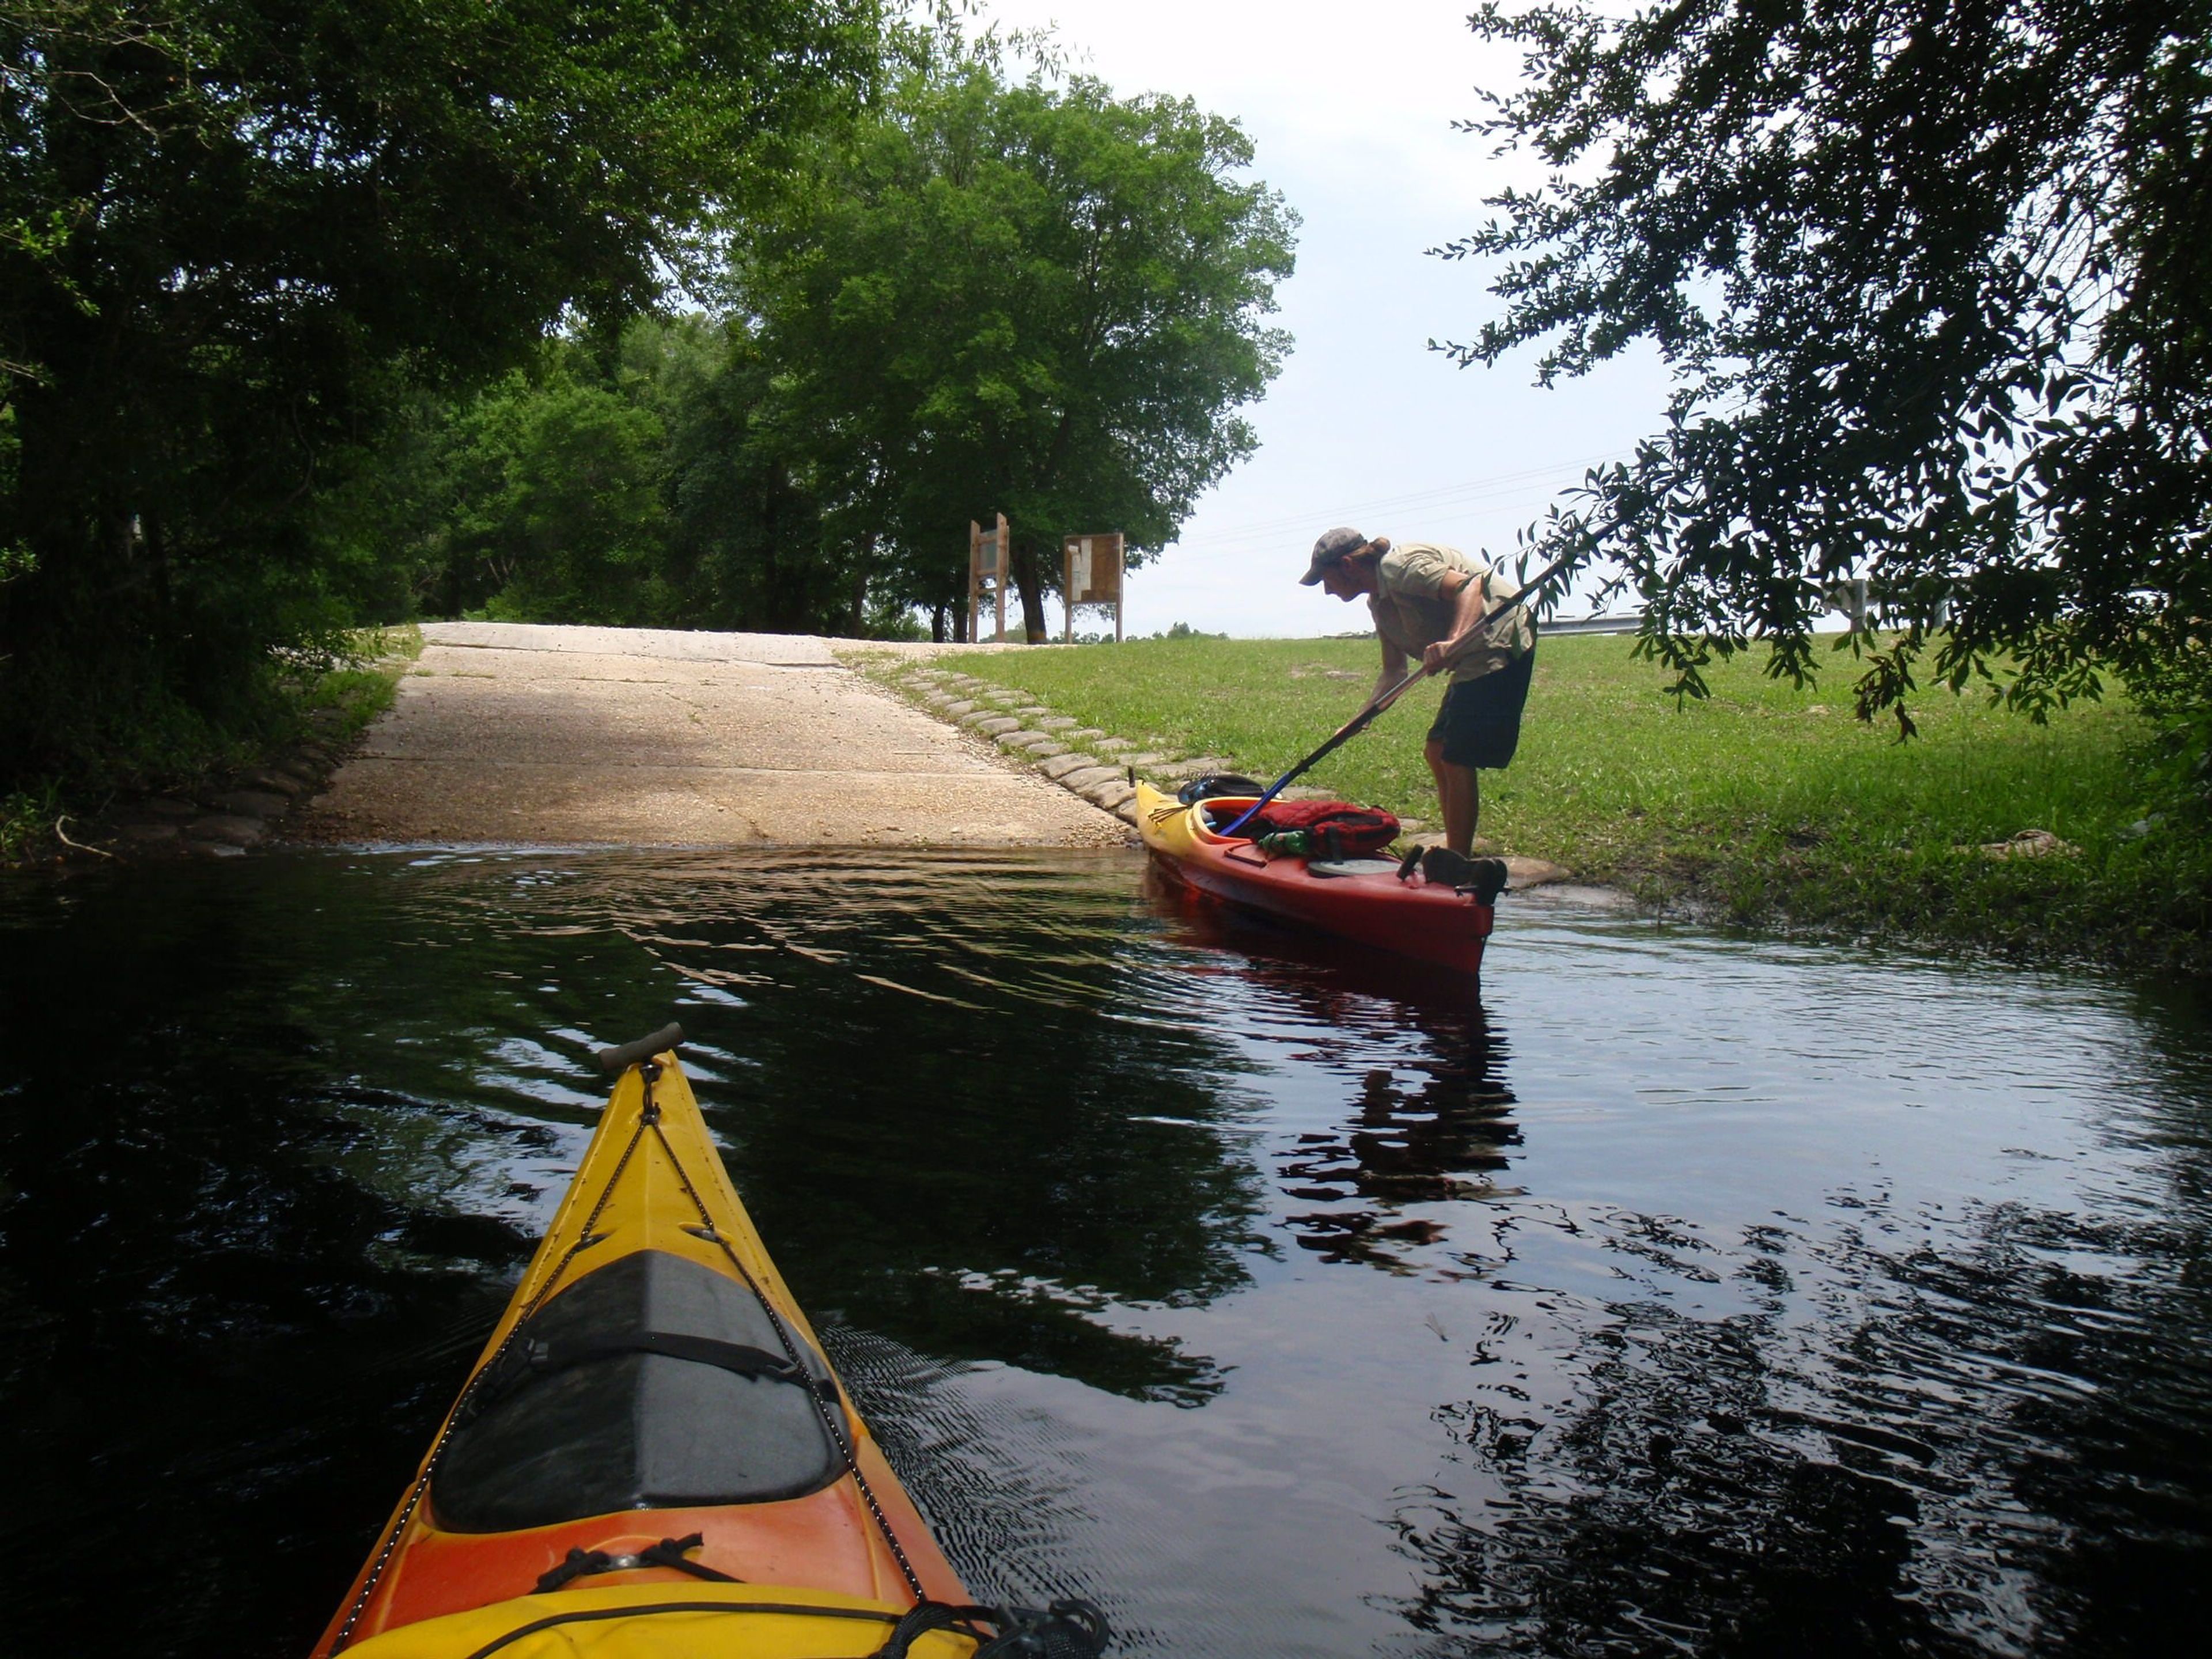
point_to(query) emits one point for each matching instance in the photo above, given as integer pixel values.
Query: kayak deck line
(586, 1238)
(649, 1072)
(641, 1621)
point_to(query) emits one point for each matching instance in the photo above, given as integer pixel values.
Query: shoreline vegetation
(753, 372)
(1765, 806)
(303, 722)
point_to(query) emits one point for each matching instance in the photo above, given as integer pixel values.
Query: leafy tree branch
(1932, 277)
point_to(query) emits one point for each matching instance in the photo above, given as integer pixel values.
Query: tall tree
(1933, 276)
(230, 228)
(647, 475)
(749, 548)
(556, 500)
(998, 297)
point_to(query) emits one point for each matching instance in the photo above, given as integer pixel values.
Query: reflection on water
(1435, 1127)
(1671, 1293)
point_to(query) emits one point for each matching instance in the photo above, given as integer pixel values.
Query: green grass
(1764, 805)
(361, 690)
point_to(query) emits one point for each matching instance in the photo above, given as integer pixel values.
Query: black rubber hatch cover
(596, 1408)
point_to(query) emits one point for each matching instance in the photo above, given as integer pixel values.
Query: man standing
(1428, 603)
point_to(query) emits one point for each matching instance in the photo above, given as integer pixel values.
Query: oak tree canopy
(996, 295)
(230, 228)
(1934, 278)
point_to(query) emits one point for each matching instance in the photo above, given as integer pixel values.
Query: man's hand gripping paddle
(1360, 722)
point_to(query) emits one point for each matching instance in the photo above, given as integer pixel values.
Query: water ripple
(1675, 1293)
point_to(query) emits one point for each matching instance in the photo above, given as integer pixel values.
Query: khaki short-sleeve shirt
(1412, 611)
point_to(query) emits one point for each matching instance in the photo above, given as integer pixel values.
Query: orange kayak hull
(651, 1207)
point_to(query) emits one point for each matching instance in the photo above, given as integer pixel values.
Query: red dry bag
(1340, 830)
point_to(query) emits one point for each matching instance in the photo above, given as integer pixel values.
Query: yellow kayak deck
(807, 1543)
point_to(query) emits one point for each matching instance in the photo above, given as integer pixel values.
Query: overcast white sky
(1350, 108)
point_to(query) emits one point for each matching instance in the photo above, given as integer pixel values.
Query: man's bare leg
(1459, 792)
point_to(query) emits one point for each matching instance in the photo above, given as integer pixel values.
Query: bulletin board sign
(989, 553)
(1091, 573)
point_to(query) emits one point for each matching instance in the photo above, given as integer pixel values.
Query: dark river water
(1680, 1294)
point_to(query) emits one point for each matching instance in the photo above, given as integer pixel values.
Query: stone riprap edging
(221, 820)
(1080, 759)
(1097, 765)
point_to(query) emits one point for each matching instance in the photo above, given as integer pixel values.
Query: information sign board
(988, 552)
(1091, 572)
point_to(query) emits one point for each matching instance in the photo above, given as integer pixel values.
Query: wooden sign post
(1091, 574)
(989, 553)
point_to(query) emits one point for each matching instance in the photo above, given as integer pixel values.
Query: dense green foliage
(1013, 299)
(320, 315)
(639, 477)
(1760, 803)
(234, 233)
(979, 296)
(1933, 278)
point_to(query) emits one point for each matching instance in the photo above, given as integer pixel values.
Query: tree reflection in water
(280, 1136)
(1963, 1449)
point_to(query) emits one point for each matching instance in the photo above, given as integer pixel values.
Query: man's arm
(1469, 606)
(1393, 670)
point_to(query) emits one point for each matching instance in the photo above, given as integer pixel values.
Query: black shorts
(1479, 722)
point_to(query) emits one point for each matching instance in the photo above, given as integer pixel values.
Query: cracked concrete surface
(526, 732)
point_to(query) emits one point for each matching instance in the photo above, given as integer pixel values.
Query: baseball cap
(1334, 545)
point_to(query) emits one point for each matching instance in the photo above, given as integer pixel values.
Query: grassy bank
(330, 706)
(1766, 804)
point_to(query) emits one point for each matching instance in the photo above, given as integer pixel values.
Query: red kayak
(1359, 899)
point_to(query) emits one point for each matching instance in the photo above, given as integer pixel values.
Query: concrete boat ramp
(506, 732)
